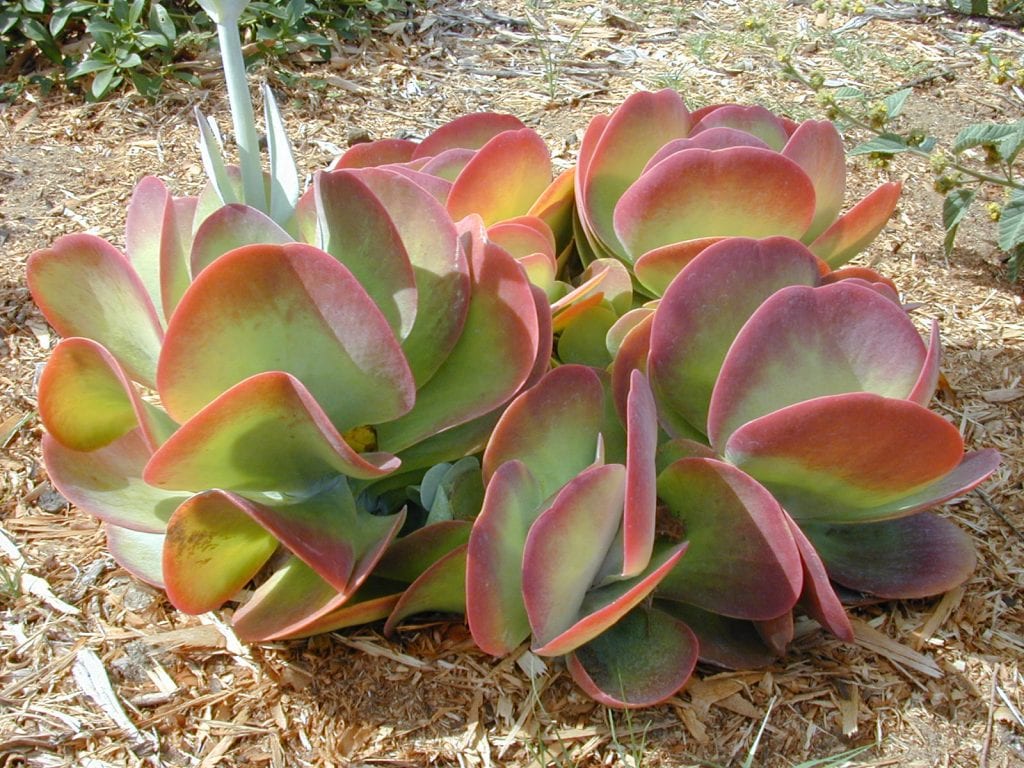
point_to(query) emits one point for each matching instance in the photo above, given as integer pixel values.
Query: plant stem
(242, 115)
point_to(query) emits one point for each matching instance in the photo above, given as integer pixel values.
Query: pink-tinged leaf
(504, 178)
(616, 284)
(439, 266)
(87, 401)
(642, 660)
(108, 483)
(776, 633)
(712, 138)
(700, 193)
(817, 147)
(467, 132)
(615, 151)
(138, 552)
(374, 601)
(658, 268)
(408, 557)
(856, 228)
(742, 560)
(230, 227)
(451, 444)
(861, 449)
(545, 338)
(435, 186)
(287, 308)
(522, 236)
(804, 343)
(494, 578)
(554, 205)
(143, 233)
(372, 153)
(928, 381)
(552, 428)
(818, 598)
(724, 642)
(671, 451)
(908, 558)
(357, 230)
(630, 356)
(492, 358)
(213, 549)
(582, 340)
(449, 164)
(704, 309)
(604, 606)
(175, 247)
(641, 478)
(441, 588)
(755, 120)
(86, 287)
(566, 547)
(265, 434)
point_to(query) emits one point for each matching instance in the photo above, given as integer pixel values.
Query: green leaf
(135, 11)
(886, 144)
(86, 67)
(160, 21)
(895, 103)
(954, 208)
(1011, 223)
(1008, 139)
(33, 30)
(105, 80)
(34, 6)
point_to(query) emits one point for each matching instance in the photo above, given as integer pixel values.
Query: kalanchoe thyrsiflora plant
(234, 409)
(656, 183)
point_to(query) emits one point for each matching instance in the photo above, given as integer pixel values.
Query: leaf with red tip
(742, 191)
(138, 552)
(504, 178)
(213, 549)
(742, 560)
(373, 602)
(658, 268)
(724, 642)
(86, 400)
(441, 588)
(143, 233)
(494, 578)
(818, 598)
(468, 132)
(755, 120)
(817, 147)
(566, 547)
(928, 381)
(641, 478)
(108, 482)
(434, 186)
(721, 137)
(631, 356)
(705, 308)
(804, 343)
(175, 246)
(907, 558)
(554, 206)
(552, 428)
(449, 164)
(230, 227)
(289, 308)
(642, 660)
(86, 287)
(856, 228)
(266, 434)
(407, 558)
(521, 237)
(373, 153)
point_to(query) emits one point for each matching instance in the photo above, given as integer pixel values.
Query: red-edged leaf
(374, 601)
(229, 227)
(373, 153)
(468, 132)
(407, 558)
(143, 233)
(175, 247)
(554, 206)
(713, 138)
(138, 552)
(856, 228)
(817, 147)
(818, 598)
(658, 268)
(928, 381)
(641, 478)
(724, 642)
(755, 120)
(441, 588)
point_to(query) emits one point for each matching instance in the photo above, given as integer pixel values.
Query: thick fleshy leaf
(631, 356)
(552, 428)
(724, 642)
(441, 588)
(777, 633)
(504, 178)
(448, 165)
(266, 434)
(742, 561)
(229, 227)
(582, 340)
(755, 120)
(467, 132)
(86, 287)
(86, 399)
(928, 381)
(642, 660)
(721, 137)
(287, 308)
(804, 343)
(408, 557)
(494, 578)
(658, 268)
(374, 153)
(856, 228)
(143, 231)
(108, 482)
(817, 147)
(357, 230)
(566, 547)
(138, 552)
(554, 206)
(705, 308)
(616, 284)
(818, 598)
(492, 358)
(911, 557)
(521, 237)
(374, 601)
(175, 246)
(213, 549)
(862, 449)
(641, 478)
(742, 191)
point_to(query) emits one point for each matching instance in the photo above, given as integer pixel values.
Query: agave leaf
(284, 176)
(138, 552)
(689, 342)
(861, 449)
(213, 549)
(907, 558)
(356, 229)
(817, 147)
(375, 153)
(286, 308)
(804, 343)
(643, 659)
(143, 233)
(503, 179)
(441, 588)
(818, 598)
(552, 428)
(213, 163)
(742, 191)
(86, 287)
(855, 229)
(742, 561)
(406, 559)
(467, 132)
(658, 268)
(494, 578)
(641, 478)
(724, 642)
(87, 401)
(266, 434)
(755, 120)
(107, 482)
(229, 227)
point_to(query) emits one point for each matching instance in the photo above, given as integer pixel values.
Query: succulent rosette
(656, 183)
(235, 404)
